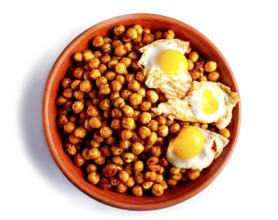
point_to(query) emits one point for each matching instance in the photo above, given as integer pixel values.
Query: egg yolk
(172, 62)
(209, 102)
(189, 142)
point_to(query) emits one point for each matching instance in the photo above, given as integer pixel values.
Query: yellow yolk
(172, 62)
(209, 102)
(189, 142)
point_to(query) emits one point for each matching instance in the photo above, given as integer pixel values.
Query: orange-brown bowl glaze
(172, 195)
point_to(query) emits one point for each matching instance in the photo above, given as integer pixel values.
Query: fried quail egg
(165, 67)
(195, 148)
(206, 102)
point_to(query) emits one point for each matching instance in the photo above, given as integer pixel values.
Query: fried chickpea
(91, 168)
(144, 132)
(153, 125)
(77, 107)
(120, 68)
(106, 132)
(101, 81)
(190, 64)
(163, 130)
(120, 50)
(137, 148)
(128, 123)
(95, 122)
(137, 190)
(135, 99)
(66, 82)
(116, 86)
(116, 150)
(156, 151)
(210, 66)
(121, 188)
(170, 34)
(85, 86)
(106, 48)
(75, 84)
(98, 41)
(72, 139)
(147, 185)
(110, 75)
(145, 117)
(93, 177)
(127, 157)
(158, 35)
(78, 73)
(80, 132)
(116, 124)
(92, 110)
(78, 57)
(195, 74)
(78, 95)
(138, 166)
(94, 63)
(105, 104)
(120, 78)
(145, 106)
(148, 38)
(78, 159)
(131, 33)
(94, 153)
(127, 111)
(119, 30)
(62, 120)
(116, 113)
(225, 132)
(104, 89)
(118, 102)
(193, 174)
(133, 85)
(104, 183)
(213, 76)
(125, 144)
(175, 128)
(125, 134)
(193, 55)
(125, 94)
(152, 96)
(161, 119)
(71, 149)
(88, 55)
(109, 170)
(123, 176)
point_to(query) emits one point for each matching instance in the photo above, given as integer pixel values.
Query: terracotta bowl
(173, 195)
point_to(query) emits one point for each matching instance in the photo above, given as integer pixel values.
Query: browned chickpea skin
(105, 59)
(85, 86)
(62, 120)
(101, 81)
(92, 110)
(116, 150)
(145, 117)
(78, 95)
(225, 132)
(110, 75)
(120, 68)
(127, 111)
(125, 144)
(158, 35)
(153, 125)
(195, 74)
(94, 153)
(104, 89)
(93, 177)
(116, 124)
(72, 139)
(175, 128)
(75, 84)
(116, 85)
(120, 50)
(118, 102)
(97, 54)
(94, 63)
(78, 73)
(109, 170)
(137, 190)
(193, 56)
(104, 183)
(85, 153)
(105, 151)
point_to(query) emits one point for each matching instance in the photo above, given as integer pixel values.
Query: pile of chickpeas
(105, 117)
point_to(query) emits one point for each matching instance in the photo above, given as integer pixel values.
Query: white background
(32, 36)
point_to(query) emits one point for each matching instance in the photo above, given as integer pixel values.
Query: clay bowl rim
(171, 197)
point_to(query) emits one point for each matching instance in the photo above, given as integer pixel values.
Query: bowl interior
(172, 195)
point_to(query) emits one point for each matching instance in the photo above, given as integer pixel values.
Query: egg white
(189, 108)
(170, 84)
(209, 153)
